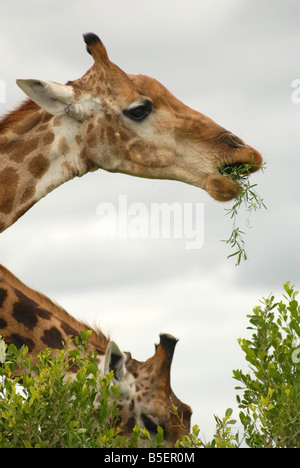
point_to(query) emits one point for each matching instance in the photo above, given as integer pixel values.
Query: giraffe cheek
(151, 157)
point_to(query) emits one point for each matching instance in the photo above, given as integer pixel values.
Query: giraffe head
(134, 125)
(146, 397)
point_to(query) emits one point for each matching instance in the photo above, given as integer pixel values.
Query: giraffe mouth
(238, 169)
(235, 170)
(227, 182)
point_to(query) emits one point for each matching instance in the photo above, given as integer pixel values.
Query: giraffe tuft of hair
(89, 39)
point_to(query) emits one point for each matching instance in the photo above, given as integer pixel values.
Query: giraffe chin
(221, 188)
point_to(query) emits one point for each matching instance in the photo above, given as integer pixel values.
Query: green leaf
(247, 197)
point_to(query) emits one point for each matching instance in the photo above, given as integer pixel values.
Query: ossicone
(164, 351)
(95, 47)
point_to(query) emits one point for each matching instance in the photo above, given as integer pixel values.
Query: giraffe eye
(139, 112)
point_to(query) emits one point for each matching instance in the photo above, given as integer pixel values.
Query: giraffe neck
(28, 317)
(38, 152)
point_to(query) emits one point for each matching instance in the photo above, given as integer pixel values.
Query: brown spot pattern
(48, 138)
(90, 128)
(69, 330)
(83, 154)
(57, 122)
(23, 312)
(19, 341)
(63, 146)
(53, 338)
(8, 188)
(38, 166)
(78, 139)
(3, 295)
(19, 149)
(47, 117)
(3, 323)
(92, 138)
(42, 128)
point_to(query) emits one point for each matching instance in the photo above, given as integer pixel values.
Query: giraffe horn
(164, 352)
(168, 342)
(95, 48)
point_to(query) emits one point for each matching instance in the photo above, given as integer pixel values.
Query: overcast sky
(235, 62)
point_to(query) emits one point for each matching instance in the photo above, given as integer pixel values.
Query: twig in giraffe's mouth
(237, 170)
(247, 196)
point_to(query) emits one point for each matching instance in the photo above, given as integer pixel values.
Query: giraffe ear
(114, 361)
(55, 98)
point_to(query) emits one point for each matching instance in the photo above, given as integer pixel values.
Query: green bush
(269, 398)
(52, 411)
(49, 410)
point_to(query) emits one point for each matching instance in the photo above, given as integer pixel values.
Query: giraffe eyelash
(139, 112)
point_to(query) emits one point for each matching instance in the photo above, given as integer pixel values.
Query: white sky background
(234, 61)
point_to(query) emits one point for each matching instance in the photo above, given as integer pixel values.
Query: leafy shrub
(271, 399)
(50, 410)
(270, 402)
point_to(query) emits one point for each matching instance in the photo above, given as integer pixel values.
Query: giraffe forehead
(106, 84)
(158, 93)
(135, 89)
(113, 87)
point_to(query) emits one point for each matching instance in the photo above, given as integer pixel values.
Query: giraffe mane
(21, 111)
(24, 109)
(98, 338)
